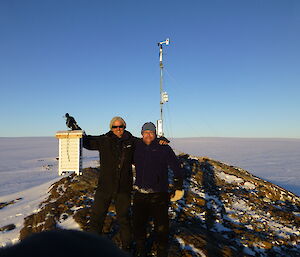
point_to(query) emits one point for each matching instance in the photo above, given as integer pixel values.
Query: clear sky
(232, 68)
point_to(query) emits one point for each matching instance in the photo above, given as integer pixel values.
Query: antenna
(163, 95)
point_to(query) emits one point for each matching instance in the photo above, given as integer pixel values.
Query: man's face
(148, 136)
(118, 128)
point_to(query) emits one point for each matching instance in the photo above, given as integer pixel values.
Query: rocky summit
(226, 211)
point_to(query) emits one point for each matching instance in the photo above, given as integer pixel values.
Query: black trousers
(153, 205)
(100, 207)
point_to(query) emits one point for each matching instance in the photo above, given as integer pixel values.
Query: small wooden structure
(70, 151)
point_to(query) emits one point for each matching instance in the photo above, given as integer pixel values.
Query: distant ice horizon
(30, 161)
(274, 159)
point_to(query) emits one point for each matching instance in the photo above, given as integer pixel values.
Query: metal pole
(161, 84)
(163, 95)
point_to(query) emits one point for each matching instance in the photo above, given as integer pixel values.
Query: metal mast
(163, 95)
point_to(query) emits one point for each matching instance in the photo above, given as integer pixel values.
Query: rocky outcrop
(226, 211)
(71, 197)
(235, 212)
(4, 204)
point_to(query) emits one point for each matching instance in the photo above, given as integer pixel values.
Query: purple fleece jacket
(151, 164)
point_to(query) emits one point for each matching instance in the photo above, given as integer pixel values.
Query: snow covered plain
(31, 161)
(274, 159)
(28, 166)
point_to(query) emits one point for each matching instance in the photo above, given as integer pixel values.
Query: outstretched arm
(174, 164)
(92, 142)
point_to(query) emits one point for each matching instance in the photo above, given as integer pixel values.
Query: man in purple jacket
(151, 198)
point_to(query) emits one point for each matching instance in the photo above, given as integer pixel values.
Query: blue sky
(231, 70)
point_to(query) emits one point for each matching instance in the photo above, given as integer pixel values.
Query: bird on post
(71, 122)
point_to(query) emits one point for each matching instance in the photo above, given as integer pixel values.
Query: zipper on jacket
(143, 173)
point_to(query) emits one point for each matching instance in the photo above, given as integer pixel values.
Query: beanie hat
(148, 126)
(115, 119)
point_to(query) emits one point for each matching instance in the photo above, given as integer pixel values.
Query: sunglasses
(121, 126)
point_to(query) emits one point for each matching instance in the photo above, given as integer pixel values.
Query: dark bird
(71, 122)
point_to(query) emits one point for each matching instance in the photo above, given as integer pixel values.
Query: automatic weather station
(163, 95)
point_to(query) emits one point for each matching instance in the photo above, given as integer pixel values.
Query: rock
(8, 227)
(2, 205)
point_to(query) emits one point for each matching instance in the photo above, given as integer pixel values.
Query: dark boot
(162, 252)
(127, 249)
(140, 250)
(140, 254)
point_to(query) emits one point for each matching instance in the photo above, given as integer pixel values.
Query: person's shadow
(214, 206)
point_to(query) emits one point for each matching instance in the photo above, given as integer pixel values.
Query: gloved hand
(163, 141)
(178, 194)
